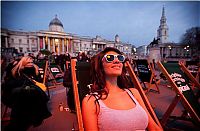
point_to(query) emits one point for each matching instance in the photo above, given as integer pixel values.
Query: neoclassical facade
(56, 40)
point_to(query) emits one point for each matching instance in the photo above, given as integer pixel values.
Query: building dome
(56, 25)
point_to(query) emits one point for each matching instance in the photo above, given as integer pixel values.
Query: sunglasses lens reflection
(110, 58)
(120, 58)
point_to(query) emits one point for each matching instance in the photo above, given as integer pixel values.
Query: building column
(43, 42)
(53, 41)
(30, 47)
(67, 44)
(62, 41)
(48, 41)
(58, 45)
(38, 44)
(6, 42)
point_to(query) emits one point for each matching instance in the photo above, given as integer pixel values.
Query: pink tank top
(134, 119)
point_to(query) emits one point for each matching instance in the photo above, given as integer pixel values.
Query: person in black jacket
(27, 101)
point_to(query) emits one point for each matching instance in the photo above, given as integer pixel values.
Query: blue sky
(134, 22)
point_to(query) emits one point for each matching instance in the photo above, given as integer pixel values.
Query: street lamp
(93, 47)
(186, 50)
(170, 50)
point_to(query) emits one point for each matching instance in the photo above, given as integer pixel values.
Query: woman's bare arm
(89, 113)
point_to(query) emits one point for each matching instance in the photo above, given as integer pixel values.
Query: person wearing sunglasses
(112, 103)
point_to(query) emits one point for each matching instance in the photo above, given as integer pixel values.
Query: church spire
(163, 18)
(163, 11)
(162, 32)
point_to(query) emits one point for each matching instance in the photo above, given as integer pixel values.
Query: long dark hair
(98, 74)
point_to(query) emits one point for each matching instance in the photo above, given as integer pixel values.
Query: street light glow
(93, 46)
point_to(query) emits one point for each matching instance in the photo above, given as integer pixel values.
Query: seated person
(27, 101)
(113, 104)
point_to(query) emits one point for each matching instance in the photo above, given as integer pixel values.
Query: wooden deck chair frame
(136, 84)
(76, 95)
(152, 81)
(188, 73)
(52, 79)
(45, 76)
(194, 64)
(196, 76)
(67, 64)
(179, 96)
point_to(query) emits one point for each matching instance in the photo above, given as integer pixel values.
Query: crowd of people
(113, 104)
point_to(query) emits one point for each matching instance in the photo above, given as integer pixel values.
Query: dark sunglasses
(110, 57)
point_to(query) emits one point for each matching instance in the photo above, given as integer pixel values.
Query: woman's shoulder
(89, 99)
(134, 91)
(89, 103)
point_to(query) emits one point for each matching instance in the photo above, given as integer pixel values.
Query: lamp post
(186, 50)
(93, 48)
(170, 50)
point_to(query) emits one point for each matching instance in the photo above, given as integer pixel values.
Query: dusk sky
(134, 22)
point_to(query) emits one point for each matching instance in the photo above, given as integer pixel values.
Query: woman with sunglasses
(113, 105)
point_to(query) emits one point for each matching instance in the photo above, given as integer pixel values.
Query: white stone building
(56, 40)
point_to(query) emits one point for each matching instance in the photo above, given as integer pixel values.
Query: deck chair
(146, 74)
(194, 68)
(43, 65)
(178, 76)
(81, 85)
(55, 74)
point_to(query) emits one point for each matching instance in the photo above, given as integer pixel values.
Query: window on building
(20, 40)
(20, 49)
(3, 41)
(12, 40)
(27, 40)
(32, 40)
